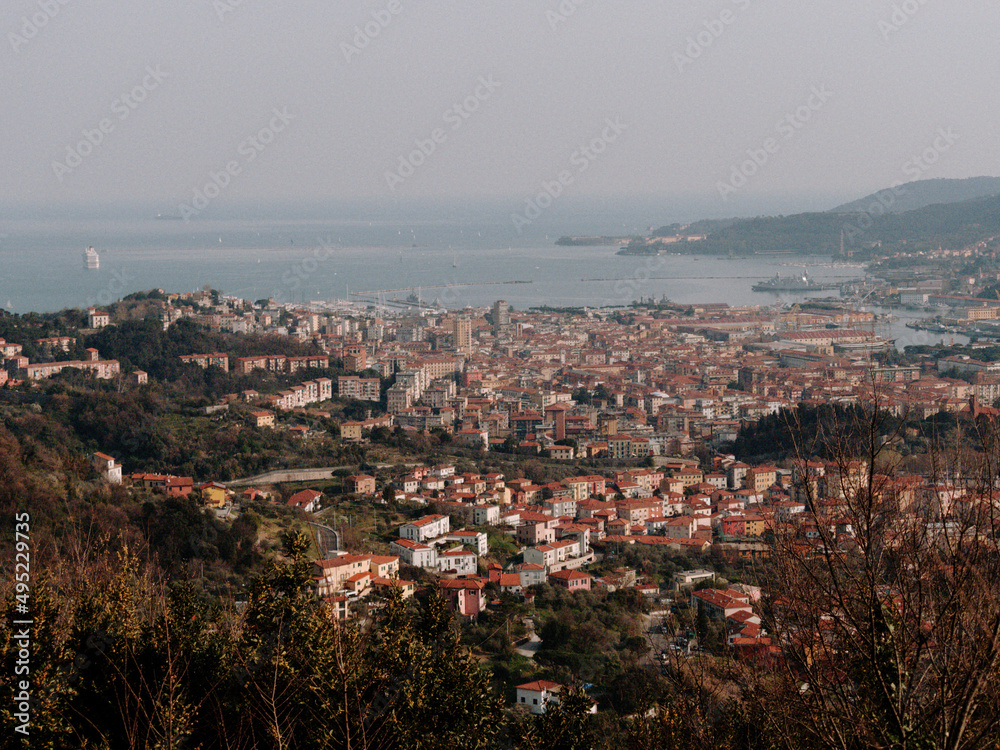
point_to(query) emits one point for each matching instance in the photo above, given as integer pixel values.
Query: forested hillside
(951, 225)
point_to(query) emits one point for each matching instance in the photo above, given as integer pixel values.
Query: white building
(536, 695)
(531, 574)
(414, 553)
(459, 561)
(366, 389)
(486, 515)
(105, 466)
(96, 318)
(565, 506)
(913, 297)
(682, 527)
(424, 529)
(692, 577)
(565, 553)
(475, 539)
(542, 555)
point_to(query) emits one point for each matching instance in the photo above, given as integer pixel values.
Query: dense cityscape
(552, 375)
(676, 463)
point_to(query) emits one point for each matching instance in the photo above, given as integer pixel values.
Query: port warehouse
(919, 298)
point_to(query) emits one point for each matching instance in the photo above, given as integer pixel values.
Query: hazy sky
(666, 98)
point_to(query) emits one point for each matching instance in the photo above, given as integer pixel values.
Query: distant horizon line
(704, 205)
(694, 206)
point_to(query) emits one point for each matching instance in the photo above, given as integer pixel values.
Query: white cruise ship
(91, 260)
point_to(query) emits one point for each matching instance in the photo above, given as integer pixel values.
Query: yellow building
(351, 430)
(754, 525)
(982, 313)
(463, 334)
(760, 478)
(688, 477)
(262, 418)
(213, 494)
(405, 588)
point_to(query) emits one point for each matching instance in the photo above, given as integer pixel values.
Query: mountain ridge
(917, 194)
(952, 224)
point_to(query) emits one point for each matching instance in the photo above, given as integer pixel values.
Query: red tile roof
(540, 686)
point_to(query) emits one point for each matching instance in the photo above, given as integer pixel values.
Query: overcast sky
(666, 97)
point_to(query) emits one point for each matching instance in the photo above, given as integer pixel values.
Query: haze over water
(444, 255)
(440, 252)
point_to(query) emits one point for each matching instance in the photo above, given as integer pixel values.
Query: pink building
(465, 595)
(574, 580)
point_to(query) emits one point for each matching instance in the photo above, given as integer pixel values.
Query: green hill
(929, 227)
(921, 193)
